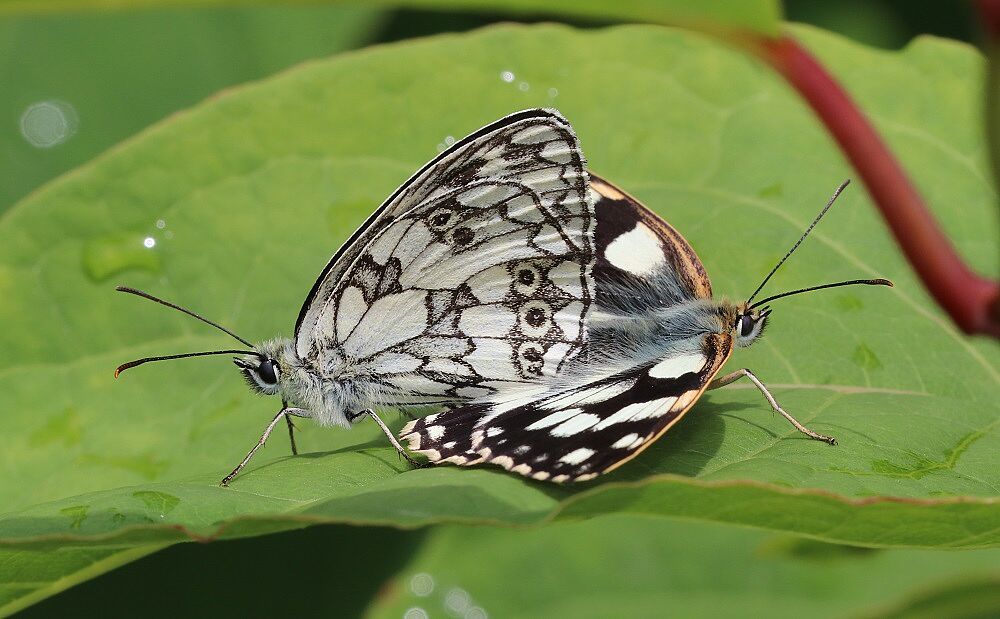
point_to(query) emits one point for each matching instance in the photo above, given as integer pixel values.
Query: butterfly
(557, 325)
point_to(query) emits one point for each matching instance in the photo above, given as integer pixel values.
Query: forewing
(642, 262)
(577, 433)
(536, 148)
(482, 283)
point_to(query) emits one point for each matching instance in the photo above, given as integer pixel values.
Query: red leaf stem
(972, 301)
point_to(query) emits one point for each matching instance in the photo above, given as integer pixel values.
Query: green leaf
(107, 71)
(33, 575)
(616, 566)
(331, 571)
(758, 15)
(246, 196)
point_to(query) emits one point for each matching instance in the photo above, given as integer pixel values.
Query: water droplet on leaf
(116, 253)
(157, 502)
(865, 358)
(77, 514)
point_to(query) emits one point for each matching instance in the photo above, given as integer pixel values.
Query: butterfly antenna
(826, 208)
(867, 282)
(146, 295)
(131, 364)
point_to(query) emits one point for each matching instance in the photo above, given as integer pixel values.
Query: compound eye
(746, 325)
(268, 371)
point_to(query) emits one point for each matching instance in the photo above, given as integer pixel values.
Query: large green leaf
(610, 566)
(32, 575)
(331, 571)
(616, 566)
(760, 15)
(247, 195)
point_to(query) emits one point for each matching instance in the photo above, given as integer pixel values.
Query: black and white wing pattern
(578, 433)
(597, 415)
(474, 274)
(637, 250)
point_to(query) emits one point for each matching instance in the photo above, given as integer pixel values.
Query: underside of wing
(578, 432)
(535, 147)
(642, 262)
(475, 275)
(462, 295)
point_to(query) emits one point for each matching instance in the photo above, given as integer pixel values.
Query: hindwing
(577, 433)
(638, 251)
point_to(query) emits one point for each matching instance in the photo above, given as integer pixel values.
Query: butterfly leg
(291, 435)
(385, 430)
(738, 374)
(285, 412)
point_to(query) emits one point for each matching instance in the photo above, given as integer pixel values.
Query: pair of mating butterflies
(557, 324)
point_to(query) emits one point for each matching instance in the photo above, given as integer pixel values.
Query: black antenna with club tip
(145, 295)
(802, 238)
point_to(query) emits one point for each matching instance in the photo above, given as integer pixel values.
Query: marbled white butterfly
(558, 324)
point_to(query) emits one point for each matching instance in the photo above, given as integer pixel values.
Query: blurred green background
(74, 85)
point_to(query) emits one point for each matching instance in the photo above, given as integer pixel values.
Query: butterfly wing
(573, 433)
(641, 256)
(475, 273)
(578, 433)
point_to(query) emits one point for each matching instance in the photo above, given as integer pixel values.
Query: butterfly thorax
(634, 338)
(300, 384)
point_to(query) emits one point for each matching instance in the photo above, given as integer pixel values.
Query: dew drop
(449, 140)
(476, 612)
(415, 613)
(110, 255)
(865, 358)
(157, 502)
(457, 601)
(161, 224)
(45, 124)
(149, 242)
(77, 514)
(553, 93)
(507, 76)
(422, 584)
(523, 86)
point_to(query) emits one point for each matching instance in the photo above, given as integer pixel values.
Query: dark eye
(268, 371)
(746, 325)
